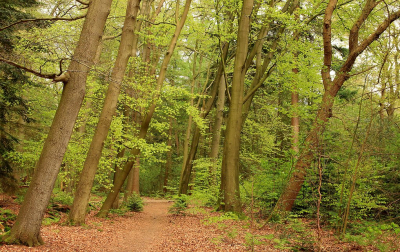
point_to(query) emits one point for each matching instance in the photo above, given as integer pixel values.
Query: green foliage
(61, 197)
(135, 203)
(367, 233)
(6, 218)
(294, 235)
(180, 205)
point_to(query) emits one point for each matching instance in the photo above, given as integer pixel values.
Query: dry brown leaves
(201, 230)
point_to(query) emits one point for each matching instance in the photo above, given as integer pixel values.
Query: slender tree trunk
(146, 122)
(216, 133)
(117, 173)
(81, 200)
(230, 162)
(26, 229)
(168, 164)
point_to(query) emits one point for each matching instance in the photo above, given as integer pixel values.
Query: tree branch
(39, 74)
(259, 84)
(353, 37)
(42, 19)
(82, 2)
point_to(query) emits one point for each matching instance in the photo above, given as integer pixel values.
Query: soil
(200, 229)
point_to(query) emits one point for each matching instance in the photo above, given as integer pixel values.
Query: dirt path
(201, 230)
(142, 234)
(134, 232)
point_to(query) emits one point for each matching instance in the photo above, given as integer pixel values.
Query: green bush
(180, 205)
(135, 203)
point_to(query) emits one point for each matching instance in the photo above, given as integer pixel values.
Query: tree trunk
(146, 122)
(230, 162)
(168, 164)
(81, 200)
(216, 134)
(26, 229)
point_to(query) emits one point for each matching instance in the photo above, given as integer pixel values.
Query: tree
(81, 200)
(331, 88)
(26, 229)
(230, 169)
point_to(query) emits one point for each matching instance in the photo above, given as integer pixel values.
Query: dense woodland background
(257, 99)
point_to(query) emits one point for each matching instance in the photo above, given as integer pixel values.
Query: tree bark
(146, 122)
(79, 207)
(168, 164)
(216, 134)
(26, 229)
(230, 163)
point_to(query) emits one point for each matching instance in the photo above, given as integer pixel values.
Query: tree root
(31, 241)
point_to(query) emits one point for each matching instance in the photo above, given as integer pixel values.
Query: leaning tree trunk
(26, 229)
(293, 187)
(146, 122)
(230, 162)
(78, 211)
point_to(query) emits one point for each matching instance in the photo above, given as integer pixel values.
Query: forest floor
(200, 229)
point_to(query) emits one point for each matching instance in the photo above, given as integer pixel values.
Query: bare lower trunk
(26, 229)
(168, 164)
(81, 200)
(216, 135)
(230, 162)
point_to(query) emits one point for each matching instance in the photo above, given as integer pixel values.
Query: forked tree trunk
(146, 122)
(26, 229)
(230, 163)
(79, 207)
(307, 154)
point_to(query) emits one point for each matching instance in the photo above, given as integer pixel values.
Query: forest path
(143, 233)
(154, 230)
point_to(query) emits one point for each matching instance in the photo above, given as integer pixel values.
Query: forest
(279, 112)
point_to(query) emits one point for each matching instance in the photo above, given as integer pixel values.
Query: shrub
(135, 203)
(180, 205)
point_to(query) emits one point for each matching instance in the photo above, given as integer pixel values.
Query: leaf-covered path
(155, 230)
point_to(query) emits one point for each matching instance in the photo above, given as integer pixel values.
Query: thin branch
(42, 19)
(363, 71)
(156, 23)
(39, 74)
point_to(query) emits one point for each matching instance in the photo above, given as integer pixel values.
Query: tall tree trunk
(26, 229)
(216, 133)
(288, 197)
(190, 120)
(81, 200)
(230, 162)
(168, 164)
(146, 122)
